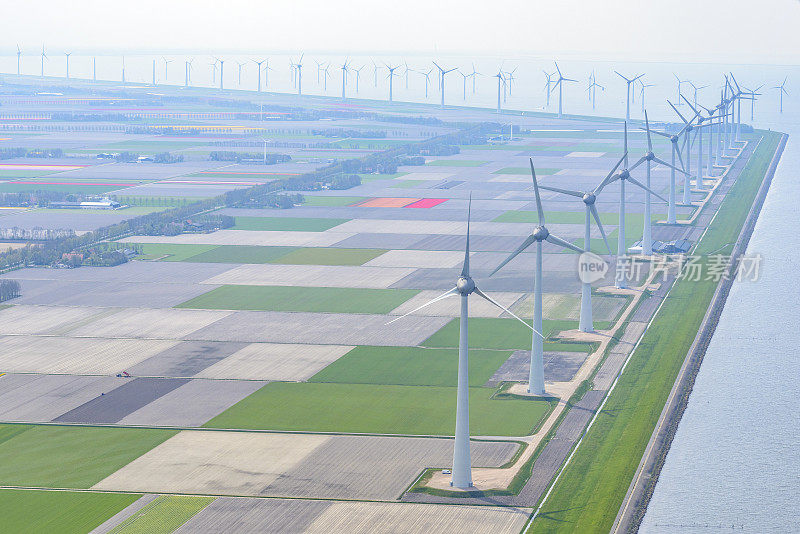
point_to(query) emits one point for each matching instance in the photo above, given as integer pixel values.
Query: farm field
(301, 299)
(381, 409)
(69, 512)
(286, 223)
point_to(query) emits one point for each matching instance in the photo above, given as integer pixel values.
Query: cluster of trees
(411, 161)
(36, 198)
(126, 157)
(9, 289)
(166, 157)
(19, 152)
(226, 155)
(345, 181)
(35, 234)
(355, 134)
(274, 200)
(93, 117)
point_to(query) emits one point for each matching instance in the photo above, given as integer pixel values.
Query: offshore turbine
(588, 198)
(629, 82)
(547, 86)
(560, 84)
(187, 72)
(391, 79)
(442, 74)
(592, 89)
(44, 56)
(465, 286)
(540, 234)
(298, 68)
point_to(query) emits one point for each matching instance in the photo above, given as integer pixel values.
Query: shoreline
(634, 506)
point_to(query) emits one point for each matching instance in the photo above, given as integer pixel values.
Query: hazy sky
(757, 31)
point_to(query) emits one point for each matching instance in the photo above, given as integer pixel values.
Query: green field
(163, 515)
(87, 189)
(256, 254)
(330, 256)
(591, 489)
(456, 163)
(410, 366)
(381, 409)
(492, 333)
(294, 224)
(24, 173)
(69, 456)
(319, 200)
(67, 512)
(409, 184)
(540, 171)
(301, 299)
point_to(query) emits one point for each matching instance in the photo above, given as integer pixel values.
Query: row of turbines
(350, 75)
(722, 122)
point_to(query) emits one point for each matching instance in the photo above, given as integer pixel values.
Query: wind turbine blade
(559, 71)
(680, 158)
(443, 296)
(563, 191)
(490, 299)
(638, 162)
(647, 127)
(596, 216)
(697, 113)
(641, 185)
(539, 210)
(465, 268)
(662, 134)
(525, 244)
(678, 112)
(566, 244)
(665, 164)
(610, 176)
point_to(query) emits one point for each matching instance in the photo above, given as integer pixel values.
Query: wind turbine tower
(44, 56)
(19, 55)
(391, 79)
(66, 55)
(258, 63)
(442, 74)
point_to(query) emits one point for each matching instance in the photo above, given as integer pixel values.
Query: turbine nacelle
(541, 233)
(465, 285)
(589, 198)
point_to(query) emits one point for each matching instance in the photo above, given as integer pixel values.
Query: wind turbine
(259, 63)
(123, 70)
(629, 81)
(540, 234)
(299, 73)
(753, 93)
(375, 68)
(358, 75)
(680, 83)
(510, 78)
(427, 76)
(267, 68)
(649, 157)
(166, 68)
(221, 72)
(66, 55)
(442, 74)
(325, 77)
(44, 56)
(405, 72)
(474, 74)
(625, 176)
(501, 81)
(560, 85)
(465, 286)
(154, 72)
(240, 64)
(214, 72)
(696, 89)
(548, 82)
(702, 124)
(94, 68)
(19, 55)
(642, 88)
(589, 198)
(344, 77)
(187, 72)
(391, 78)
(464, 76)
(593, 85)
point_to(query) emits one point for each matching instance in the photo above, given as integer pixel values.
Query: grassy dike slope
(590, 491)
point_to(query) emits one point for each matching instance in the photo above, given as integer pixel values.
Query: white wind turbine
(391, 79)
(427, 76)
(702, 124)
(66, 55)
(649, 157)
(559, 83)
(501, 82)
(325, 75)
(540, 234)
(258, 64)
(240, 64)
(94, 68)
(221, 72)
(166, 68)
(298, 70)
(625, 176)
(123, 70)
(642, 87)
(358, 75)
(548, 82)
(695, 88)
(44, 56)
(187, 72)
(589, 198)
(345, 67)
(629, 82)
(19, 56)
(679, 84)
(592, 89)
(465, 286)
(442, 74)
